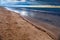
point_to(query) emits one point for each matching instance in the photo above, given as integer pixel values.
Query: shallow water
(51, 16)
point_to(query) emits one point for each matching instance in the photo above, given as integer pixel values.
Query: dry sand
(14, 27)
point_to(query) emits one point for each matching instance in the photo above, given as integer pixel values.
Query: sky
(6, 1)
(3, 2)
(11, 0)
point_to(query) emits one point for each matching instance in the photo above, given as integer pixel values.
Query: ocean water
(53, 11)
(48, 15)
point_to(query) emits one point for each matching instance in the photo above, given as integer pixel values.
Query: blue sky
(8, 2)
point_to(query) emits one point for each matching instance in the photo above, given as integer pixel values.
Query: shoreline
(11, 24)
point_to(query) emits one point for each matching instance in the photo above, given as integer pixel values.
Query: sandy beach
(14, 27)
